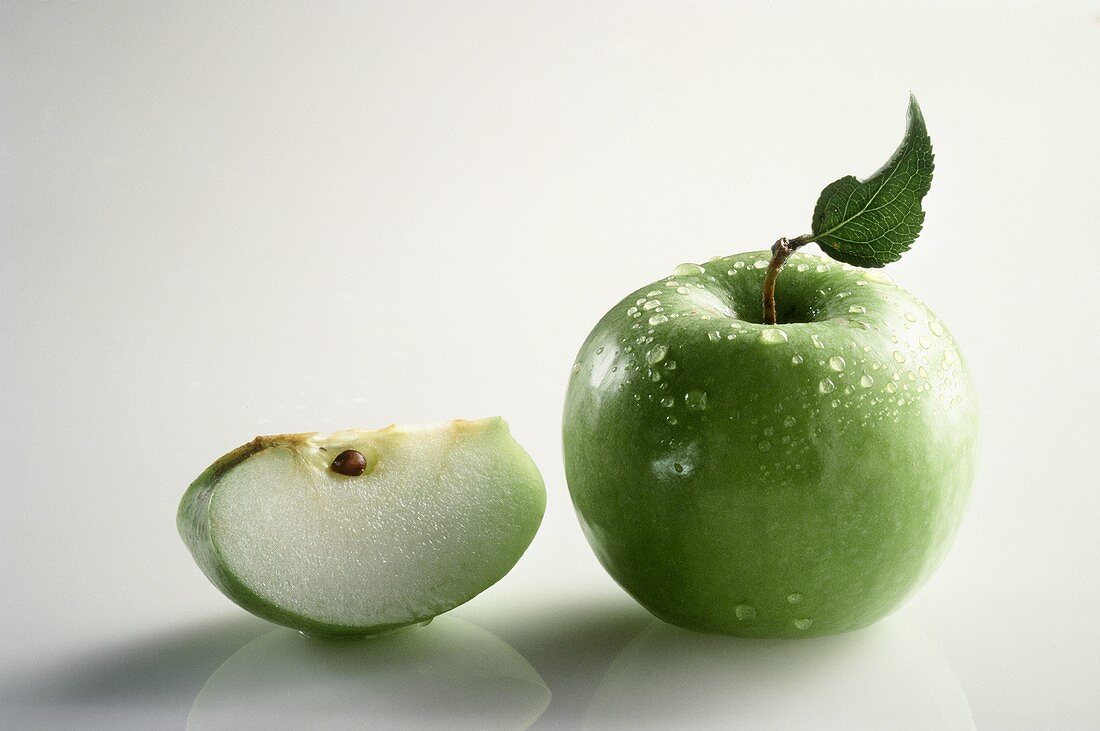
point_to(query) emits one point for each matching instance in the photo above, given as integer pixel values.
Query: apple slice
(359, 532)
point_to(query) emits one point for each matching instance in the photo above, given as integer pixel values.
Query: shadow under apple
(148, 682)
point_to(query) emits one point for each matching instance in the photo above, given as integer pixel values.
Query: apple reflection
(449, 674)
(886, 676)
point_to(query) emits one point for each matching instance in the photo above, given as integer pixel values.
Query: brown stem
(781, 251)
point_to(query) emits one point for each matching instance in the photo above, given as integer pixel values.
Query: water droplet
(714, 336)
(739, 265)
(924, 342)
(695, 400)
(826, 385)
(678, 467)
(765, 446)
(789, 422)
(599, 350)
(682, 290)
(772, 335)
(731, 336)
(654, 375)
(796, 359)
(760, 264)
(656, 354)
(857, 310)
(654, 293)
(632, 311)
(891, 388)
(670, 365)
(822, 268)
(745, 612)
(936, 329)
(899, 356)
(576, 368)
(674, 421)
(794, 598)
(802, 267)
(686, 270)
(866, 381)
(910, 317)
(803, 623)
(731, 272)
(817, 341)
(667, 402)
(651, 304)
(837, 363)
(657, 319)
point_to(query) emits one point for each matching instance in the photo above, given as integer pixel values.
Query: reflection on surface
(881, 677)
(449, 674)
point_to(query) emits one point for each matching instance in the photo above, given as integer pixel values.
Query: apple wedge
(359, 532)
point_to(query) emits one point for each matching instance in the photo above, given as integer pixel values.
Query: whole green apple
(794, 479)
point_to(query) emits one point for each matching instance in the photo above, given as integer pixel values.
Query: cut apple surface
(359, 532)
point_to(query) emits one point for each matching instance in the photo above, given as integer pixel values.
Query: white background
(226, 219)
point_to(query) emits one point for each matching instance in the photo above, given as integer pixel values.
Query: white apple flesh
(424, 520)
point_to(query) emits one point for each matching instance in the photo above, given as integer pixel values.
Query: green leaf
(870, 223)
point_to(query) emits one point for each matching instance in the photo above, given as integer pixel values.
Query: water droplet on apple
(817, 341)
(670, 365)
(826, 385)
(802, 267)
(794, 598)
(924, 342)
(657, 319)
(739, 265)
(936, 329)
(837, 363)
(822, 268)
(857, 310)
(695, 400)
(745, 612)
(796, 359)
(899, 356)
(656, 354)
(651, 304)
(678, 467)
(714, 336)
(891, 388)
(866, 381)
(599, 350)
(803, 623)
(667, 402)
(789, 422)
(632, 311)
(673, 421)
(760, 264)
(910, 317)
(576, 368)
(772, 335)
(686, 270)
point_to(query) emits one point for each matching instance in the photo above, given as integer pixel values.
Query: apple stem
(781, 251)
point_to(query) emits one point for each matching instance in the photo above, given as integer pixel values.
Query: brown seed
(350, 463)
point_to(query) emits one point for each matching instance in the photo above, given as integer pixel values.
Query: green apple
(785, 480)
(359, 532)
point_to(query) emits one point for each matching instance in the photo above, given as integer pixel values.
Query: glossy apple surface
(791, 480)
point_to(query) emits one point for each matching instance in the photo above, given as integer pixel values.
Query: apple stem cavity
(781, 251)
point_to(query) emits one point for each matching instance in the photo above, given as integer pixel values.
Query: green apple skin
(770, 481)
(196, 513)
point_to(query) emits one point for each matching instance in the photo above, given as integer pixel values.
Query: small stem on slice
(781, 251)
